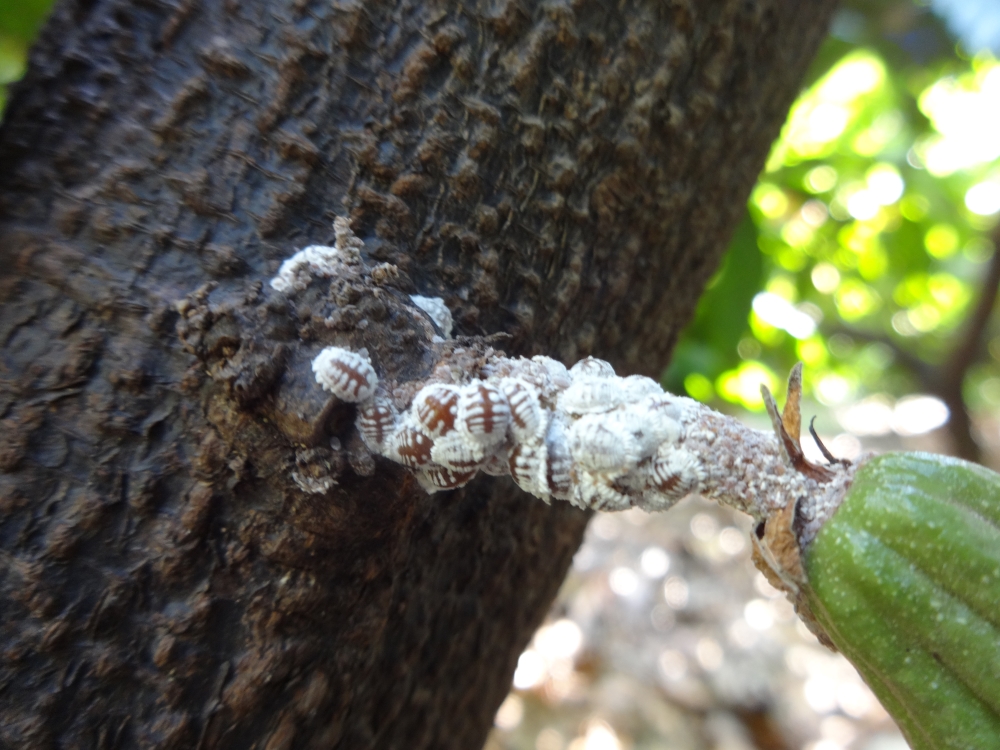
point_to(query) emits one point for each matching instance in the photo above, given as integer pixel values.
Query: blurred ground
(664, 635)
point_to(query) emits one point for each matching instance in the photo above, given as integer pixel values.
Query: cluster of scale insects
(581, 434)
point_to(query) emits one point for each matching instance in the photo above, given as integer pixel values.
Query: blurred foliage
(868, 231)
(20, 21)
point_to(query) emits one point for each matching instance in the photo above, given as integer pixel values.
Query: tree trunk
(564, 173)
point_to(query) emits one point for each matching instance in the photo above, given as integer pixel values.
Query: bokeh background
(868, 252)
(20, 21)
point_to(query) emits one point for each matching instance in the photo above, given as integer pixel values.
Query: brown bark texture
(567, 173)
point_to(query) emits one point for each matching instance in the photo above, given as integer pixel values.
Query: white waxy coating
(483, 413)
(650, 426)
(559, 469)
(347, 375)
(599, 442)
(598, 491)
(436, 478)
(495, 465)
(456, 451)
(410, 447)
(588, 394)
(435, 408)
(638, 386)
(437, 310)
(296, 272)
(319, 260)
(592, 368)
(556, 373)
(673, 474)
(376, 422)
(527, 419)
(529, 468)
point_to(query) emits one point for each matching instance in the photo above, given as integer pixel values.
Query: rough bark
(565, 173)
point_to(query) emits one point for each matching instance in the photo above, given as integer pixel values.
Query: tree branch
(947, 380)
(950, 376)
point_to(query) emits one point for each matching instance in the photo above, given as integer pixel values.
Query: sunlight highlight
(965, 111)
(826, 111)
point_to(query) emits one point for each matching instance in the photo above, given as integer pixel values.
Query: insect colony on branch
(582, 434)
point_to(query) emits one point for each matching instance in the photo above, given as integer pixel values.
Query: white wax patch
(319, 260)
(437, 310)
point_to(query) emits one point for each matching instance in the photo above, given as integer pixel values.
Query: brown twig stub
(788, 427)
(791, 416)
(822, 448)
